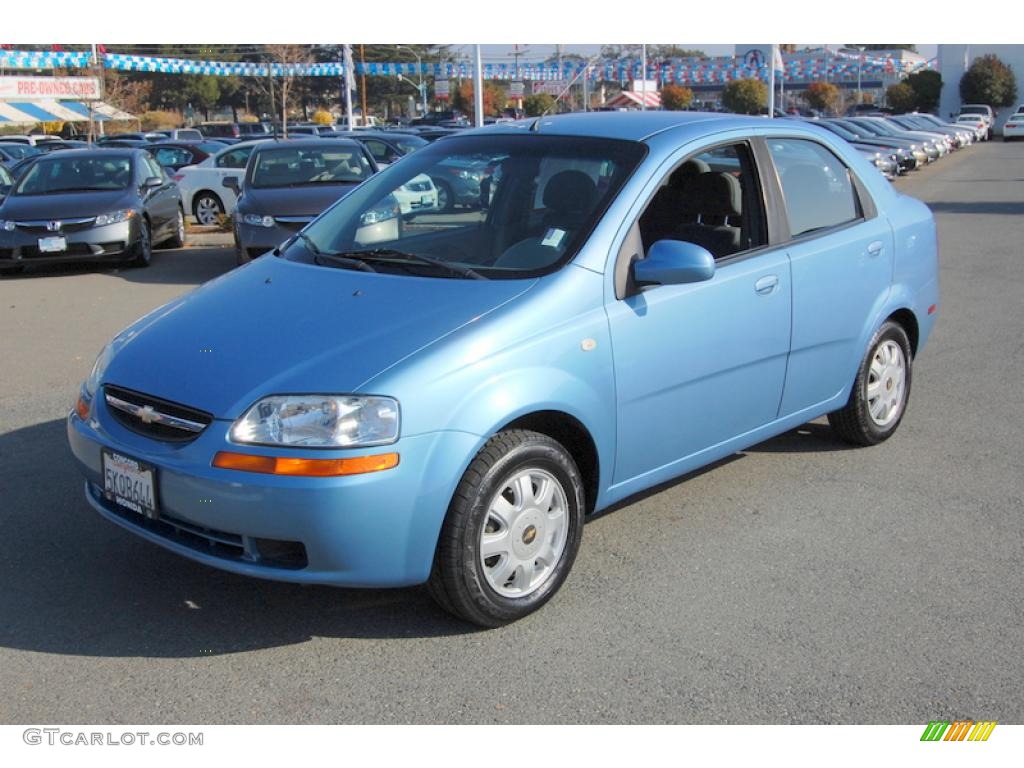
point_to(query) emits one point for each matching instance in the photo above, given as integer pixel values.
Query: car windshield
(56, 174)
(296, 166)
(20, 150)
(494, 206)
(409, 144)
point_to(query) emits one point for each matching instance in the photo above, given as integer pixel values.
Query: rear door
(841, 256)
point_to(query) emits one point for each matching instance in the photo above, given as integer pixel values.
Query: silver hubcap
(524, 533)
(181, 226)
(887, 383)
(207, 210)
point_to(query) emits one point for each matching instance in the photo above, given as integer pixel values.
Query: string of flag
(820, 66)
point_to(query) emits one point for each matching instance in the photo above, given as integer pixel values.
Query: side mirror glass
(673, 262)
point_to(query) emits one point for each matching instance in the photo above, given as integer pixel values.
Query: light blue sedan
(381, 402)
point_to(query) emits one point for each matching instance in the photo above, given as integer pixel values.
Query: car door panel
(697, 365)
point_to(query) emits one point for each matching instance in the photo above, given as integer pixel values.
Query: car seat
(664, 214)
(715, 206)
(569, 199)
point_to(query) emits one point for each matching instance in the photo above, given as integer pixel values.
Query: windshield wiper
(391, 254)
(325, 259)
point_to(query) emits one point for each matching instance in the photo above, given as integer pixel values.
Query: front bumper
(26, 245)
(371, 530)
(254, 241)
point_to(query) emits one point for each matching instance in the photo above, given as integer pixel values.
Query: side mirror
(152, 181)
(673, 262)
(232, 183)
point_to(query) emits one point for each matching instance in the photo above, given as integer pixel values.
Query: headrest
(570, 192)
(716, 194)
(686, 172)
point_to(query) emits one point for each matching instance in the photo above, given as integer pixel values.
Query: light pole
(419, 68)
(860, 66)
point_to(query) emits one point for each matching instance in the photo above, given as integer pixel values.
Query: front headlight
(114, 218)
(255, 220)
(8, 226)
(319, 421)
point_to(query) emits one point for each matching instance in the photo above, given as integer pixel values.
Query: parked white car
(1013, 128)
(202, 185)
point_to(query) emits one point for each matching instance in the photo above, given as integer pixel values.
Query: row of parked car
(898, 144)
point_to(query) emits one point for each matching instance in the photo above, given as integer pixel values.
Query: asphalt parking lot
(801, 581)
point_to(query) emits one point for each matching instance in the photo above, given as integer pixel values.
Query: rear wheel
(207, 208)
(880, 391)
(177, 240)
(512, 530)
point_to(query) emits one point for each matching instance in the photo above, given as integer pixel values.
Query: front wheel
(512, 531)
(880, 391)
(144, 248)
(177, 240)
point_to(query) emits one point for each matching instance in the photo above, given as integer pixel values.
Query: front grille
(154, 417)
(66, 225)
(273, 553)
(293, 223)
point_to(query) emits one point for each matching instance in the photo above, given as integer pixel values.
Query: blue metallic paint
(464, 358)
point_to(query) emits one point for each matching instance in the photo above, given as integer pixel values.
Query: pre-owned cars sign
(49, 88)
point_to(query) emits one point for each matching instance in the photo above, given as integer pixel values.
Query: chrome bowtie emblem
(147, 415)
(53, 226)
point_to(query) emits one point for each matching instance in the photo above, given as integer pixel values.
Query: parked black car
(386, 146)
(104, 205)
(288, 184)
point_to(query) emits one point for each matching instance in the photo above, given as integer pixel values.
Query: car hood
(276, 326)
(73, 205)
(310, 200)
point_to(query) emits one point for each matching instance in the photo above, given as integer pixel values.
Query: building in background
(955, 60)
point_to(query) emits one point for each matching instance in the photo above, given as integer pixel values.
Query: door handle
(875, 248)
(766, 285)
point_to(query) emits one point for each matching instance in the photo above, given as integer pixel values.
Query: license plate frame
(55, 244)
(130, 483)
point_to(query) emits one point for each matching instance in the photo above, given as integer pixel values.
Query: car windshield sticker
(553, 237)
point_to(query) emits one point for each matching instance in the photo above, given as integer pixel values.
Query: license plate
(130, 483)
(53, 244)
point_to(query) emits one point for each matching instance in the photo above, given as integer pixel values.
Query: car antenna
(588, 65)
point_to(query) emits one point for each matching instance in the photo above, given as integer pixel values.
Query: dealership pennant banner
(821, 65)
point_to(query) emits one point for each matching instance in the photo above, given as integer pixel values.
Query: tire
(144, 248)
(177, 240)
(512, 530)
(206, 207)
(445, 197)
(16, 270)
(880, 392)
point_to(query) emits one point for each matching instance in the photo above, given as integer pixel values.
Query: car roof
(309, 143)
(634, 126)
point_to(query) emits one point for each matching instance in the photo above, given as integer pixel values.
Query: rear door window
(817, 187)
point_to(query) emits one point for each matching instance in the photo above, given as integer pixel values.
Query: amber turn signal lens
(278, 465)
(82, 408)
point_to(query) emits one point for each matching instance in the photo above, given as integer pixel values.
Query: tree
(747, 96)
(676, 97)
(538, 104)
(989, 81)
(927, 86)
(287, 55)
(494, 98)
(901, 97)
(823, 96)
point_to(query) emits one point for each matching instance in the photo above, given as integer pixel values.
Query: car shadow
(178, 266)
(982, 207)
(76, 584)
(812, 437)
